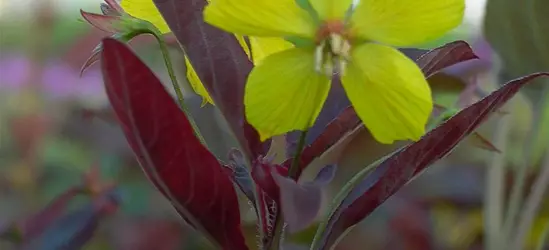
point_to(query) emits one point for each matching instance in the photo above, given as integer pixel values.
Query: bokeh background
(57, 136)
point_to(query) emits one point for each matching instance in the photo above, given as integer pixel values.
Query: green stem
(517, 189)
(544, 237)
(292, 173)
(294, 168)
(532, 205)
(175, 84)
(494, 198)
(539, 187)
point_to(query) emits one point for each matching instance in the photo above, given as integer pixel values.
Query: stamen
(337, 42)
(333, 50)
(319, 56)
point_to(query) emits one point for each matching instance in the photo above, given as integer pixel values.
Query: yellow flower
(261, 47)
(346, 38)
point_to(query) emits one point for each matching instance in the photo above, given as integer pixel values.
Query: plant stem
(294, 168)
(544, 237)
(292, 173)
(517, 190)
(532, 205)
(494, 198)
(175, 84)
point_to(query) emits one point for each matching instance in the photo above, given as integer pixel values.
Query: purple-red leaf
(344, 123)
(36, 224)
(167, 150)
(220, 63)
(268, 197)
(397, 169)
(445, 56)
(75, 229)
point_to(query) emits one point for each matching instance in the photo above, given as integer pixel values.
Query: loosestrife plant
(270, 67)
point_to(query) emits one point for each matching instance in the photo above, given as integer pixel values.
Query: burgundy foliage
(400, 167)
(167, 149)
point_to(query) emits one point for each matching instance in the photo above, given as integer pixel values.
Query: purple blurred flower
(14, 71)
(58, 80)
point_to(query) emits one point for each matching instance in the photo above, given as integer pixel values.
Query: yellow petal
(389, 93)
(406, 22)
(331, 9)
(284, 93)
(274, 18)
(146, 10)
(196, 84)
(265, 46)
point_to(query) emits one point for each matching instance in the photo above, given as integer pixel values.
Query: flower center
(333, 48)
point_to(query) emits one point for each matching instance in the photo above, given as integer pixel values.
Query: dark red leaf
(169, 153)
(475, 139)
(262, 174)
(105, 23)
(445, 56)
(486, 60)
(75, 229)
(37, 223)
(220, 63)
(268, 197)
(400, 167)
(344, 123)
